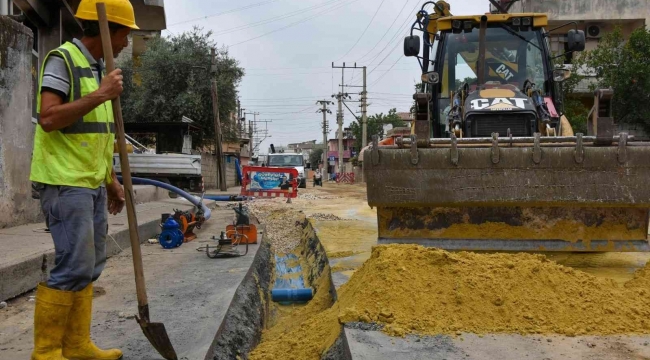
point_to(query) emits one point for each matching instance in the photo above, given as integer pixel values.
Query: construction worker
(72, 170)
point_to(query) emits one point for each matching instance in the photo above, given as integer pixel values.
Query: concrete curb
(148, 193)
(20, 276)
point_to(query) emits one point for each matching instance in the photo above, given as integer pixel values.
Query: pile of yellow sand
(412, 289)
(431, 291)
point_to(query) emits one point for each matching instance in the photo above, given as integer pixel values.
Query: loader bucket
(512, 194)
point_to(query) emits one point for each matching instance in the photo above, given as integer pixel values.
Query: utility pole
(239, 122)
(341, 96)
(259, 135)
(325, 111)
(221, 173)
(339, 121)
(364, 121)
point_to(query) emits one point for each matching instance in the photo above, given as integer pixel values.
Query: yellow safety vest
(81, 154)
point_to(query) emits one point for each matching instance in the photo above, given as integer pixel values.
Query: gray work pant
(78, 221)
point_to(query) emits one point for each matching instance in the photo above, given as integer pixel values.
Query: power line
(400, 30)
(387, 30)
(384, 74)
(223, 13)
(289, 68)
(383, 93)
(296, 23)
(305, 97)
(275, 18)
(287, 74)
(364, 31)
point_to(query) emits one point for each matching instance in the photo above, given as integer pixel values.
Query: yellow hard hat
(117, 11)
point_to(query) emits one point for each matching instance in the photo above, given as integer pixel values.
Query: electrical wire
(276, 18)
(384, 74)
(400, 30)
(287, 74)
(223, 13)
(295, 23)
(115, 241)
(387, 30)
(281, 99)
(364, 31)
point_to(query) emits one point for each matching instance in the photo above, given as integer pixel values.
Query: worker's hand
(111, 86)
(115, 194)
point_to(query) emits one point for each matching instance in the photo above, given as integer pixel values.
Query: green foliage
(375, 126)
(173, 79)
(576, 113)
(418, 89)
(468, 80)
(625, 67)
(316, 156)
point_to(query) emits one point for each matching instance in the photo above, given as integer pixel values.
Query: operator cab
(517, 92)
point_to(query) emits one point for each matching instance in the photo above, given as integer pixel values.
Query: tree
(470, 80)
(625, 67)
(172, 79)
(375, 126)
(316, 156)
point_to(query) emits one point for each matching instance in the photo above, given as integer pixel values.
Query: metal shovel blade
(156, 334)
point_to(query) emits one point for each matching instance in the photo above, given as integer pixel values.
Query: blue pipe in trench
(226, 197)
(196, 202)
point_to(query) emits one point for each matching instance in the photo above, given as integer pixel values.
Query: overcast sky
(287, 48)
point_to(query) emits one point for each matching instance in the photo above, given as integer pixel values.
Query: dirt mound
(413, 289)
(324, 217)
(282, 223)
(309, 196)
(340, 254)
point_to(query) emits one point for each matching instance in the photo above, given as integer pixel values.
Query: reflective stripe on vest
(80, 154)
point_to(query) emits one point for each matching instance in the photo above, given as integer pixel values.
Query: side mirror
(576, 40)
(430, 78)
(560, 75)
(412, 45)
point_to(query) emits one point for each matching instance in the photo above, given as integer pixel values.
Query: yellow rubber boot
(50, 320)
(76, 341)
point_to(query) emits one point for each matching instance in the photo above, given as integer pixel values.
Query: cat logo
(504, 72)
(497, 104)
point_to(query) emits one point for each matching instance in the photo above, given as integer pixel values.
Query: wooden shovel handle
(124, 162)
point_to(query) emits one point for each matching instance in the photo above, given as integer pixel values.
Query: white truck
(289, 160)
(180, 170)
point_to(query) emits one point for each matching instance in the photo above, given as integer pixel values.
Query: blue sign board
(331, 158)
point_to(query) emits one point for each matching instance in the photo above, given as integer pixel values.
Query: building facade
(333, 161)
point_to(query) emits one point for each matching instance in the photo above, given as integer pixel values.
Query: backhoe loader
(491, 162)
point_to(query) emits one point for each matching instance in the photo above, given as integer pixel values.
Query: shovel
(155, 332)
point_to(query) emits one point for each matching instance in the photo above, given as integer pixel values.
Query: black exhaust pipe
(272, 149)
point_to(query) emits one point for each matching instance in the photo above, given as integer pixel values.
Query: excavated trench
(251, 311)
(411, 302)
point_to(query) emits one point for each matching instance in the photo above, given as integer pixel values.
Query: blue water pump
(171, 236)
